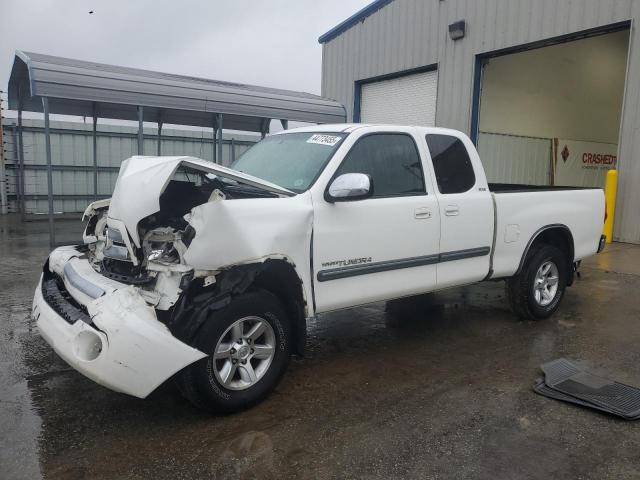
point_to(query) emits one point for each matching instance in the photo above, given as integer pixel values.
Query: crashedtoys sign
(582, 163)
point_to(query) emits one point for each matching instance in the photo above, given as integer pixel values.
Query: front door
(382, 247)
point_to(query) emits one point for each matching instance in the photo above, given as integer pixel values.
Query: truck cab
(426, 193)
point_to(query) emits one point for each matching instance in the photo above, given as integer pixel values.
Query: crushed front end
(108, 307)
(105, 329)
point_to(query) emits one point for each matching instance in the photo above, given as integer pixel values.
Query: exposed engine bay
(158, 266)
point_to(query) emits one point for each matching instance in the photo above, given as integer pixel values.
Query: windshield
(290, 160)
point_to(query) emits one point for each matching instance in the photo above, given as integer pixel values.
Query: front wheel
(248, 345)
(535, 293)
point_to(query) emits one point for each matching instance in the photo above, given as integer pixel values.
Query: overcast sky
(264, 42)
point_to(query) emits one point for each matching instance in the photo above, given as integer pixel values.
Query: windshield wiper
(249, 190)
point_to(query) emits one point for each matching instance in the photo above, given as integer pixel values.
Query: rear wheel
(535, 293)
(248, 345)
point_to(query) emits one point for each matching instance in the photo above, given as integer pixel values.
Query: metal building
(448, 62)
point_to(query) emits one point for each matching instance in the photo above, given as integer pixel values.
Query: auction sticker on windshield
(329, 140)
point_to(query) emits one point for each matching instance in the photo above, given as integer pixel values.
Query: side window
(393, 162)
(451, 162)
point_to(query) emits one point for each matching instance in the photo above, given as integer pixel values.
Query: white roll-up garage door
(406, 100)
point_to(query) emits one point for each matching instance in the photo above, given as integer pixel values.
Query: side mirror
(349, 186)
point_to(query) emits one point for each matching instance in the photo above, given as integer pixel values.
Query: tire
(203, 382)
(533, 303)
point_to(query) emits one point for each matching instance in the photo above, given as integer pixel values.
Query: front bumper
(104, 329)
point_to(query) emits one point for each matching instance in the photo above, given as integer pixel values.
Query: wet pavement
(440, 388)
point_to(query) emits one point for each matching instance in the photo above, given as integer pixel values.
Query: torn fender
(251, 230)
(94, 207)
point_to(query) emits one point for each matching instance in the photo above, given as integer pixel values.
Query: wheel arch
(558, 235)
(280, 278)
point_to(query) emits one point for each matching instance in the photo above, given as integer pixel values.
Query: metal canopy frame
(48, 84)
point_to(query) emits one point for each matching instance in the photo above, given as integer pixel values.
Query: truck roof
(350, 127)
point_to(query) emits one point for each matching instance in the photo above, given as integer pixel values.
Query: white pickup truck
(211, 273)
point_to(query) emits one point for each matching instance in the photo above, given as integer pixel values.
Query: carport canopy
(76, 87)
(48, 84)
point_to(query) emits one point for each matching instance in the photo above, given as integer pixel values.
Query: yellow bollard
(610, 191)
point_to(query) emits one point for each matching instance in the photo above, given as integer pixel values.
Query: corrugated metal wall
(514, 159)
(72, 157)
(414, 33)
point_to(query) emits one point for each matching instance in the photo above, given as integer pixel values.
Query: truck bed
(527, 209)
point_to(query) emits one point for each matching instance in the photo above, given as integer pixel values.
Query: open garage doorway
(550, 114)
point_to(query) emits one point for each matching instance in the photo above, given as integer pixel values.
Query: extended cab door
(381, 247)
(466, 210)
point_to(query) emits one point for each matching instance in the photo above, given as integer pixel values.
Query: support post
(47, 143)
(140, 131)
(95, 151)
(21, 200)
(219, 122)
(16, 161)
(3, 178)
(233, 151)
(215, 136)
(610, 192)
(160, 122)
(264, 129)
(285, 124)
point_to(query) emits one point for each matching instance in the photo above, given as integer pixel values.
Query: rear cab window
(451, 164)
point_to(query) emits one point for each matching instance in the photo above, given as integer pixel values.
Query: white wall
(572, 90)
(509, 159)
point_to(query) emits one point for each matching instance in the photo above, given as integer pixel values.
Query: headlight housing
(164, 245)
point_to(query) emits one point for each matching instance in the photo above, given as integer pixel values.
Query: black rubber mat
(565, 377)
(558, 370)
(543, 389)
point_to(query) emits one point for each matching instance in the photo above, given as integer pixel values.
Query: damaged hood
(142, 180)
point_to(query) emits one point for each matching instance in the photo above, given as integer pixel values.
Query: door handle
(422, 212)
(451, 210)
